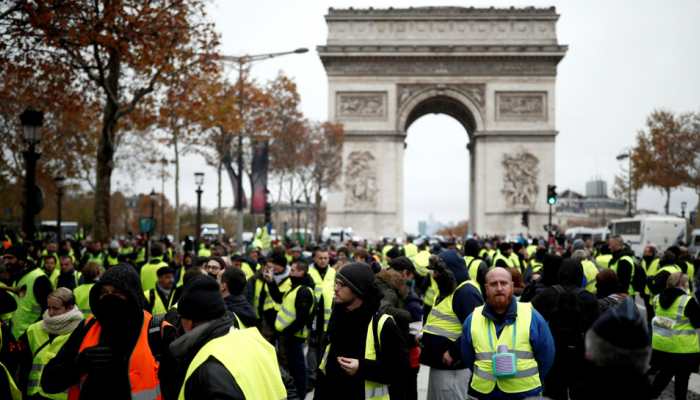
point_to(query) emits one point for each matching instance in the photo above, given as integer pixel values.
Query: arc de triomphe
(493, 70)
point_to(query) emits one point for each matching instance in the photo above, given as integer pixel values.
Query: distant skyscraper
(422, 228)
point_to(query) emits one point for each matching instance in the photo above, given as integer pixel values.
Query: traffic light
(525, 219)
(551, 194)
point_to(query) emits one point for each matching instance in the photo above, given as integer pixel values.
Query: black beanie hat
(277, 257)
(402, 263)
(201, 300)
(18, 251)
(358, 277)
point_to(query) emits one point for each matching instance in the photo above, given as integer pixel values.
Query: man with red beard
(507, 345)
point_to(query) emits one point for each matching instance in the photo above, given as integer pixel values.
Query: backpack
(565, 321)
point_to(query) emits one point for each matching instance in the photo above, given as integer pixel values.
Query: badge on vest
(503, 363)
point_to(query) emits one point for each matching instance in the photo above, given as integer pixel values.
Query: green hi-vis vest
(603, 260)
(442, 320)
(82, 298)
(288, 312)
(13, 390)
(270, 303)
(112, 261)
(140, 256)
(652, 269)
(247, 270)
(536, 266)
(515, 261)
(373, 390)
(630, 289)
(149, 272)
(28, 308)
(516, 337)
(473, 265)
(43, 349)
(531, 249)
(421, 261)
(671, 330)
(500, 256)
(431, 293)
(324, 287)
(249, 358)
(53, 278)
(155, 303)
(590, 271)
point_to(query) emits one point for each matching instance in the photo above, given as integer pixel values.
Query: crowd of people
(490, 318)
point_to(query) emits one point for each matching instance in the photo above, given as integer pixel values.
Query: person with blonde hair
(46, 337)
(675, 340)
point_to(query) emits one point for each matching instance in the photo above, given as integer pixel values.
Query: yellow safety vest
(531, 249)
(53, 278)
(28, 308)
(672, 332)
(516, 337)
(514, 261)
(158, 306)
(82, 298)
(373, 390)
(324, 288)
(270, 303)
(590, 271)
(536, 266)
(288, 312)
(411, 250)
(431, 292)
(473, 267)
(247, 270)
(442, 320)
(603, 260)
(249, 358)
(43, 349)
(422, 261)
(149, 273)
(500, 256)
(652, 269)
(112, 261)
(630, 260)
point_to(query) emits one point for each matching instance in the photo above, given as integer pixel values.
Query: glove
(95, 358)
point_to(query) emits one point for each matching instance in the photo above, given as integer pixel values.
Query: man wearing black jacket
(364, 349)
(622, 262)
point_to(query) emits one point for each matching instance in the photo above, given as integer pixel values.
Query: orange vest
(143, 368)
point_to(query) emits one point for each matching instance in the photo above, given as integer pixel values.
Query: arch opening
(442, 104)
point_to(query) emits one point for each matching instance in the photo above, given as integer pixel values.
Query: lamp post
(199, 181)
(59, 196)
(241, 61)
(32, 121)
(152, 196)
(628, 156)
(163, 164)
(684, 204)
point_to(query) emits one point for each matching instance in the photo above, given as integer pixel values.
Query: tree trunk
(176, 150)
(105, 151)
(233, 178)
(668, 200)
(317, 215)
(219, 210)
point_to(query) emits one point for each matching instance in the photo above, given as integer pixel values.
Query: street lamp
(32, 121)
(628, 156)
(199, 181)
(59, 180)
(242, 61)
(164, 164)
(684, 204)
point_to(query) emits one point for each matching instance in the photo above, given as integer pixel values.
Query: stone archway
(493, 70)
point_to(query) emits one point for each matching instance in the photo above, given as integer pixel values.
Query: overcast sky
(625, 59)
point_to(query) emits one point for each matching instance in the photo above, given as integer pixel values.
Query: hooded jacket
(121, 327)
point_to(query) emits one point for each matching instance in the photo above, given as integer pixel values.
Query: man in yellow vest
(442, 331)
(225, 360)
(410, 249)
(31, 285)
(69, 277)
(323, 276)
(507, 345)
(502, 258)
(292, 323)
(365, 350)
(161, 298)
(149, 271)
(622, 262)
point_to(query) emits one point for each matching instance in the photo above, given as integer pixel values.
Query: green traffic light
(552, 200)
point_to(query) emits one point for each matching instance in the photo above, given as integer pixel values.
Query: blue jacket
(540, 339)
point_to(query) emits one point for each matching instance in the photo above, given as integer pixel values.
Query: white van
(585, 233)
(662, 231)
(211, 230)
(336, 234)
(694, 243)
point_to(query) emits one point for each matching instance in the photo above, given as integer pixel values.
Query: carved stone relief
(339, 66)
(473, 91)
(519, 106)
(361, 105)
(520, 173)
(360, 180)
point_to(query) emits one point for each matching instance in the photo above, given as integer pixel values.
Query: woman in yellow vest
(46, 337)
(675, 340)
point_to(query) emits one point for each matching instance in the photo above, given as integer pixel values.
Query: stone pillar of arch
(493, 70)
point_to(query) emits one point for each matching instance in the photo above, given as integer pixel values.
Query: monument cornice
(392, 13)
(442, 50)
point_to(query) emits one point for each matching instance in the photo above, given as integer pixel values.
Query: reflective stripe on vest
(43, 349)
(442, 320)
(526, 377)
(630, 260)
(324, 288)
(28, 308)
(249, 358)
(143, 368)
(288, 313)
(672, 332)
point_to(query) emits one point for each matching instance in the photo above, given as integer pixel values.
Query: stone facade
(493, 70)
